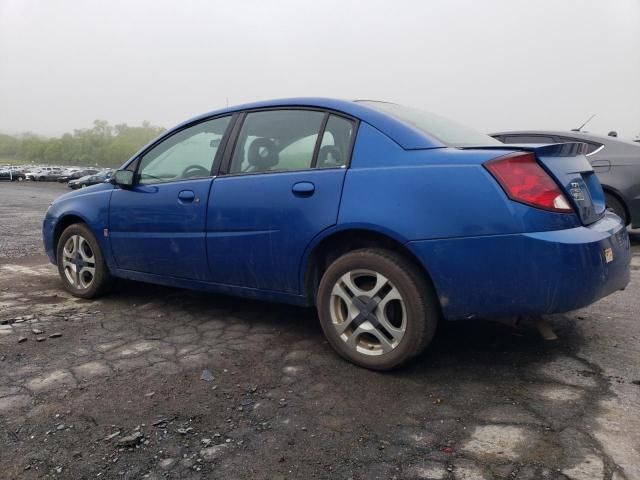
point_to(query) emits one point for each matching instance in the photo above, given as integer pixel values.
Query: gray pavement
(22, 207)
(153, 382)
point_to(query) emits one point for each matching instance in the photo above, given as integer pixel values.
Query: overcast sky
(492, 64)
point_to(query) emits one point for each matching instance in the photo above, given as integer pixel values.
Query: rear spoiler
(569, 149)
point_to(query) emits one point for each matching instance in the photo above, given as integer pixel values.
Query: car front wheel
(376, 308)
(81, 264)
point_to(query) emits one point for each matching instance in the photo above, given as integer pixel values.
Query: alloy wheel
(79, 262)
(368, 312)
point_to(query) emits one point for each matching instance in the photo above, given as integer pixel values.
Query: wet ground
(153, 382)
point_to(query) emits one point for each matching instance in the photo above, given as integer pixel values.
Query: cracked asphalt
(154, 382)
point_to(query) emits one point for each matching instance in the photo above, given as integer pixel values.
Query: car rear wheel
(618, 208)
(81, 264)
(376, 308)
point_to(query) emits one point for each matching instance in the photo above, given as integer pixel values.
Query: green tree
(103, 145)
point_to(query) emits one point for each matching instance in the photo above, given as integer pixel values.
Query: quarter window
(187, 154)
(336, 143)
(276, 140)
(591, 147)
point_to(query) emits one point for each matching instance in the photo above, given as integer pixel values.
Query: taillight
(524, 181)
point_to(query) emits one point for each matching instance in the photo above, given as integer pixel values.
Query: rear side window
(276, 140)
(448, 132)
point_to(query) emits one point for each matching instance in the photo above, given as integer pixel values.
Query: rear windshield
(440, 128)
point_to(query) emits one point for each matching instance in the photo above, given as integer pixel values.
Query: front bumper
(528, 273)
(48, 226)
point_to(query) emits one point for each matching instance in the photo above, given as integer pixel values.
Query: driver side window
(187, 154)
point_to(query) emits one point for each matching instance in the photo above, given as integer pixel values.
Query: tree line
(103, 145)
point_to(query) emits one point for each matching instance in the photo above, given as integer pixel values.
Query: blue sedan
(385, 218)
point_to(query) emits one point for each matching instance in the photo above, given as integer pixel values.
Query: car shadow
(475, 342)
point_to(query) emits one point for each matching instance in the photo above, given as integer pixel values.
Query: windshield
(448, 132)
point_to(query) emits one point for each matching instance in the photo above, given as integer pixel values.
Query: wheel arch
(608, 190)
(61, 225)
(338, 242)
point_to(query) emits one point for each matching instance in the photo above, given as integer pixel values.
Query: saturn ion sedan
(385, 218)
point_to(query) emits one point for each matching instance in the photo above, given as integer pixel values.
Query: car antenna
(582, 126)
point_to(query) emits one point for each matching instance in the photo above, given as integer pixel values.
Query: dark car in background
(11, 174)
(89, 180)
(46, 175)
(79, 174)
(615, 161)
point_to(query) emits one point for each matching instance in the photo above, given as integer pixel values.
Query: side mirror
(123, 178)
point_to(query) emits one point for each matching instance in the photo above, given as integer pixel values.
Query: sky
(491, 64)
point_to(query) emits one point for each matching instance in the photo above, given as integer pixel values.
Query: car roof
(586, 136)
(407, 136)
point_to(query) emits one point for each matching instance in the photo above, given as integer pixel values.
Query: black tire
(102, 279)
(418, 302)
(618, 208)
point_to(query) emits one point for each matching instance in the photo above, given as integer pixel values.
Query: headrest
(330, 156)
(262, 154)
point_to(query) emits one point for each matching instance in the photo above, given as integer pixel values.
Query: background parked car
(615, 161)
(46, 174)
(89, 180)
(36, 170)
(12, 175)
(74, 175)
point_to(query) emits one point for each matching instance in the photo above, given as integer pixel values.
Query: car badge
(576, 191)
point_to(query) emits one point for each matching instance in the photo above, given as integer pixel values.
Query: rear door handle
(303, 189)
(186, 196)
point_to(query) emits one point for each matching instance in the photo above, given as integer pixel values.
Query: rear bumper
(529, 273)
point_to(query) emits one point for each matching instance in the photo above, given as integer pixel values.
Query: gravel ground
(22, 207)
(153, 382)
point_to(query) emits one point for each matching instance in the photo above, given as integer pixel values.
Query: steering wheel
(195, 169)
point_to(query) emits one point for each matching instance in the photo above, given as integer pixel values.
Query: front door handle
(303, 189)
(186, 196)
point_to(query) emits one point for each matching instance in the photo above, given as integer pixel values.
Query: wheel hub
(79, 262)
(366, 307)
